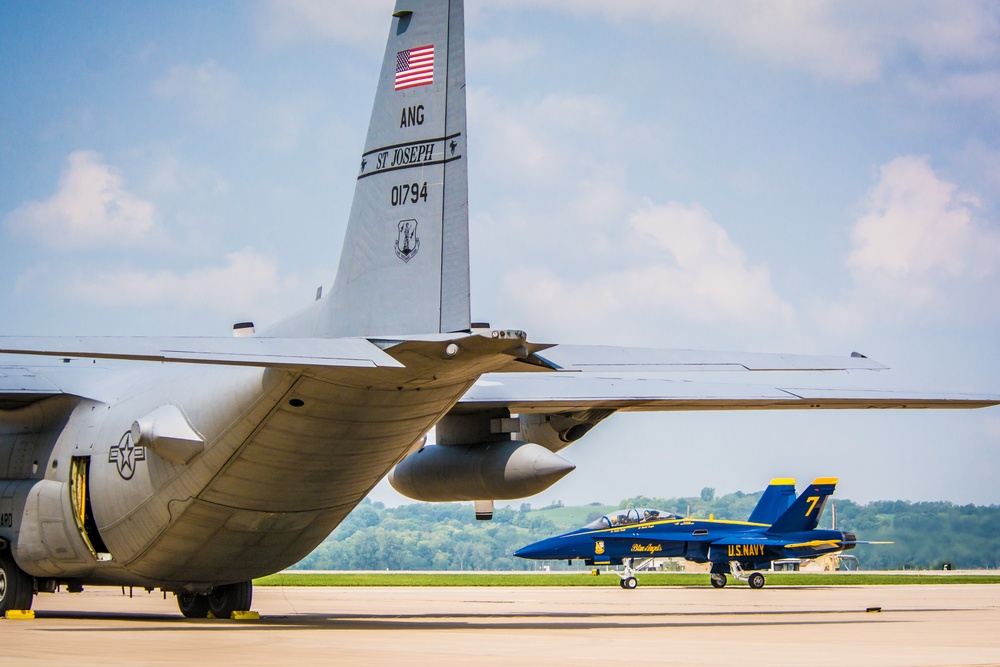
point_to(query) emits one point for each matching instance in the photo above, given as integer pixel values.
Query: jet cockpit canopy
(629, 517)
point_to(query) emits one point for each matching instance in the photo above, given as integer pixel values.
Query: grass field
(605, 579)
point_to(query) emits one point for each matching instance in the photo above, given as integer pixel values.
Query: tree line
(446, 536)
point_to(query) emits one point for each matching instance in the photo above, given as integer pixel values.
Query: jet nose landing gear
(628, 581)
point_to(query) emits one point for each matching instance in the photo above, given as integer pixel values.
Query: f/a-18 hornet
(194, 465)
(780, 526)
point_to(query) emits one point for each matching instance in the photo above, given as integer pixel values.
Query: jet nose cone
(544, 550)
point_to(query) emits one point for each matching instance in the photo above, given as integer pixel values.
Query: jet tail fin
(804, 513)
(777, 497)
(404, 267)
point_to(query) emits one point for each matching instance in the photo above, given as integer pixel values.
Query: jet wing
(250, 351)
(573, 392)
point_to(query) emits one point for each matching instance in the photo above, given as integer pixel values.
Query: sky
(811, 177)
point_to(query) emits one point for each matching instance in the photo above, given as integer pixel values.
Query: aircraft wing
(21, 386)
(576, 392)
(600, 358)
(249, 351)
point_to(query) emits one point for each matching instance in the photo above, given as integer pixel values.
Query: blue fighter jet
(781, 526)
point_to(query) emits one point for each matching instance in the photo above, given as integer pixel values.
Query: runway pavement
(917, 625)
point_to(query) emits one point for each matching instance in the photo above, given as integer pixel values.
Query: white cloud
(502, 54)
(538, 140)
(204, 92)
(347, 21)
(91, 207)
(921, 253)
(916, 231)
(244, 283)
(848, 41)
(681, 266)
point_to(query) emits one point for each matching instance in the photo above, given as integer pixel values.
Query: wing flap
(524, 393)
(251, 351)
(601, 358)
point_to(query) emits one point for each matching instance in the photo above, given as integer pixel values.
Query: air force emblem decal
(125, 455)
(407, 243)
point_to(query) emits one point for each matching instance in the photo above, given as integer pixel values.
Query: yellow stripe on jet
(826, 480)
(813, 544)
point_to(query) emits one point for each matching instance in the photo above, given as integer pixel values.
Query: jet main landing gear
(754, 579)
(718, 578)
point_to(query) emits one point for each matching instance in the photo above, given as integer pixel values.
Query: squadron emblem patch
(407, 242)
(598, 547)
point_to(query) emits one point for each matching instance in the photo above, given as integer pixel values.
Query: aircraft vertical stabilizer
(404, 267)
(805, 511)
(777, 497)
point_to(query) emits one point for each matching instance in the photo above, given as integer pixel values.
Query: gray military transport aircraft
(193, 465)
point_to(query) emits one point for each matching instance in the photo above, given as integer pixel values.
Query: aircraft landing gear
(193, 605)
(718, 580)
(754, 579)
(17, 587)
(220, 603)
(628, 581)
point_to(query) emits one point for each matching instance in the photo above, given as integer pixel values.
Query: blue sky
(811, 177)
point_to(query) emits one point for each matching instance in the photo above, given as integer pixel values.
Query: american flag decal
(415, 67)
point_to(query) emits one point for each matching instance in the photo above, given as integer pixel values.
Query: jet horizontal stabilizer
(251, 351)
(633, 359)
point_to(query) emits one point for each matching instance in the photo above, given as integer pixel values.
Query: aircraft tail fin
(777, 497)
(404, 267)
(804, 513)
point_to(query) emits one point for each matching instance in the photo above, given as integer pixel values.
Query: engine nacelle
(492, 471)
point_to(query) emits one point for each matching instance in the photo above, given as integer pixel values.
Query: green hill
(446, 536)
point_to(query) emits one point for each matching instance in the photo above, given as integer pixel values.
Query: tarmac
(835, 625)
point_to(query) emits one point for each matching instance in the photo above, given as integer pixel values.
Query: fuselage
(286, 455)
(699, 540)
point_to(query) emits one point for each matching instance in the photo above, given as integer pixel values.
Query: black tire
(193, 605)
(629, 583)
(718, 580)
(756, 580)
(224, 600)
(17, 588)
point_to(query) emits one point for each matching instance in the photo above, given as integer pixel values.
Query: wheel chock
(245, 616)
(874, 610)
(19, 614)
